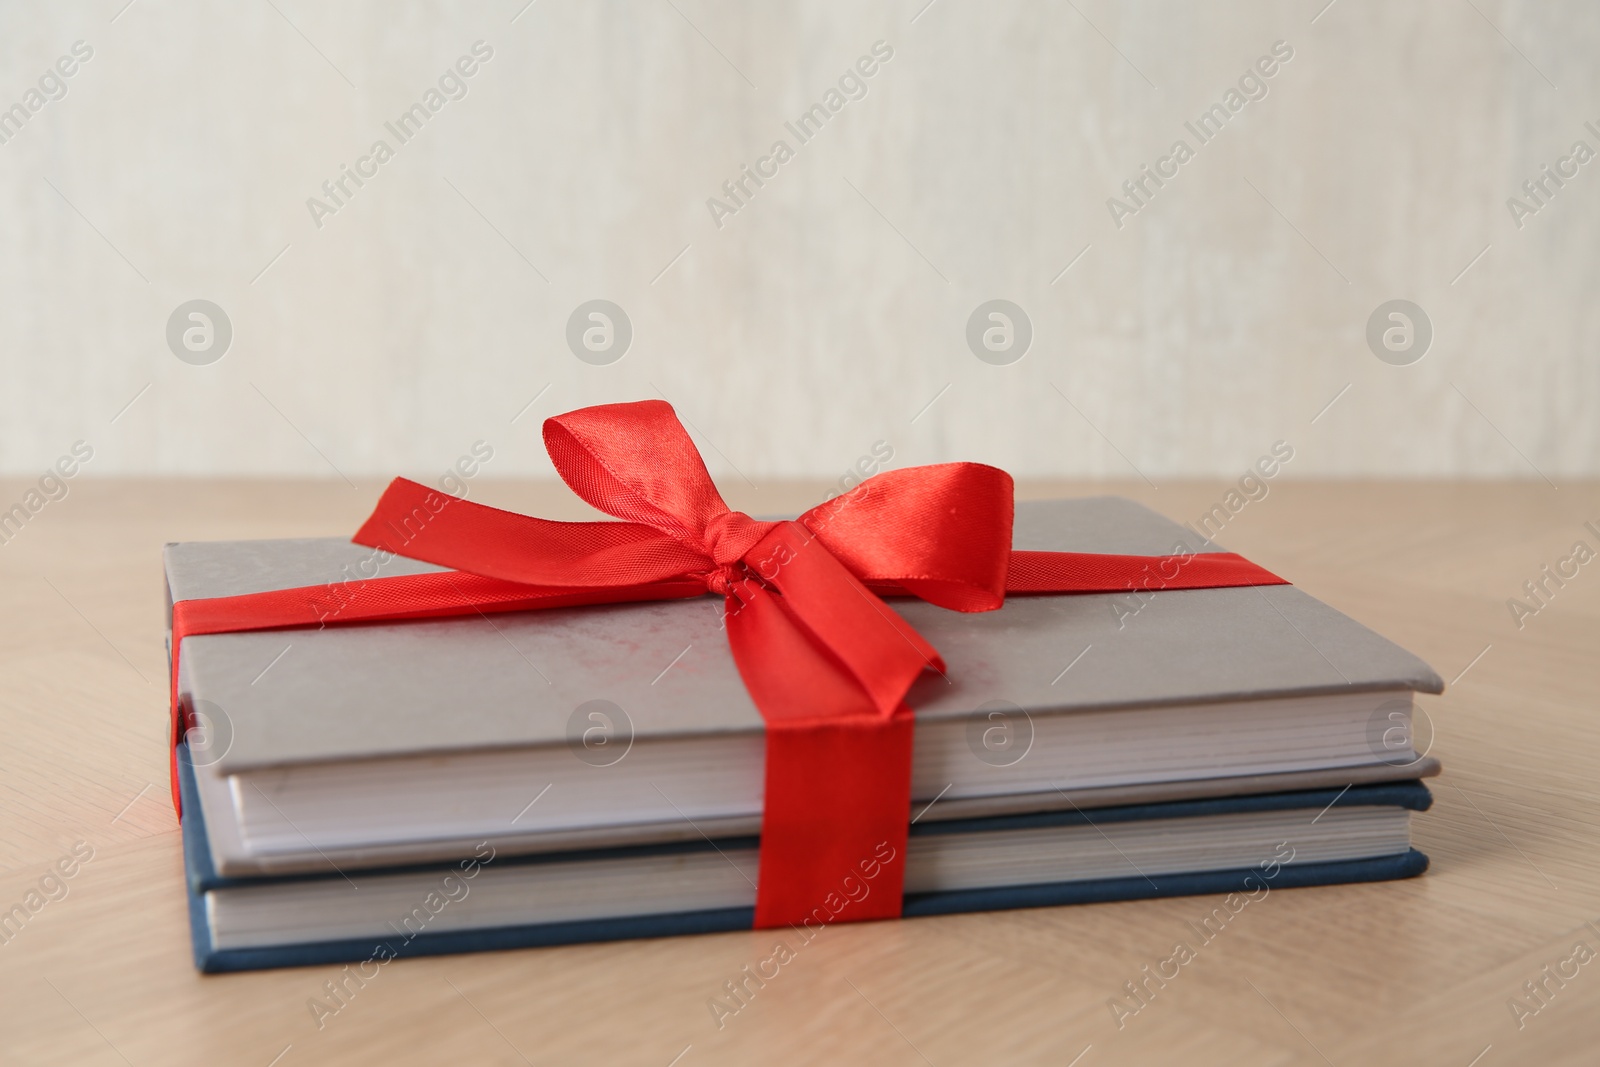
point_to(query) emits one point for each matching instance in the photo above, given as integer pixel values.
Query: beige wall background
(830, 311)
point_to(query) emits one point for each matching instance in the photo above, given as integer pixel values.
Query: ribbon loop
(941, 533)
(636, 461)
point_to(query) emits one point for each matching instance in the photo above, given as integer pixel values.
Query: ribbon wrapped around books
(826, 661)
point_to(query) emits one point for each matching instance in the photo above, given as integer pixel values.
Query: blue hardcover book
(1245, 846)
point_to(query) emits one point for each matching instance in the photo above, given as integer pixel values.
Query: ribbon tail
(882, 652)
(838, 775)
(833, 831)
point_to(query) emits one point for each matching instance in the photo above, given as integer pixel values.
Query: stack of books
(577, 774)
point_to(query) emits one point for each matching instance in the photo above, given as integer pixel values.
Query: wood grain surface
(1422, 971)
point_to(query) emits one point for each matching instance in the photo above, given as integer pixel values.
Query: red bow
(827, 662)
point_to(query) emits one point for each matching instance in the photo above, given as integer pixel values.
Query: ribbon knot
(722, 580)
(730, 535)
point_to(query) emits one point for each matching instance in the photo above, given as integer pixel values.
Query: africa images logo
(52, 86)
(338, 191)
(199, 332)
(599, 332)
(999, 332)
(1399, 332)
(852, 85)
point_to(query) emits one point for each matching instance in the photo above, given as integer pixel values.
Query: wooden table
(1407, 973)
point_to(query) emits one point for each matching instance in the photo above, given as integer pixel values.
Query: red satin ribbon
(826, 661)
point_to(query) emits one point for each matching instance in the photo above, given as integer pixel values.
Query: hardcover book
(1246, 845)
(596, 753)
